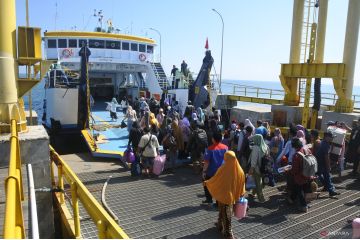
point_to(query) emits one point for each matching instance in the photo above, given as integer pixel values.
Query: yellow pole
(9, 108)
(28, 67)
(351, 42)
(101, 229)
(292, 97)
(75, 204)
(61, 183)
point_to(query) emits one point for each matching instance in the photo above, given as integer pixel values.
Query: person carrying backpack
(197, 144)
(302, 173)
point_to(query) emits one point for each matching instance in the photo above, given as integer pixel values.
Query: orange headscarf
(228, 184)
(153, 120)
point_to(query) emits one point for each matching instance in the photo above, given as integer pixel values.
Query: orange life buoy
(66, 53)
(142, 57)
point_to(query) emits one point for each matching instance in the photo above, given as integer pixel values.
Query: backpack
(310, 166)
(170, 142)
(266, 164)
(236, 136)
(201, 139)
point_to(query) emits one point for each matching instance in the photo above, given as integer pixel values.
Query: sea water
(38, 92)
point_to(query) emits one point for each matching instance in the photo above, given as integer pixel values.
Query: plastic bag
(250, 183)
(129, 155)
(123, 124)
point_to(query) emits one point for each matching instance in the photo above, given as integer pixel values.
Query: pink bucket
(356, 228)
(240, 208)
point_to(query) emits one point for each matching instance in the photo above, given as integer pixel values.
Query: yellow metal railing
(107, 227)
(328, 99)
(14, 220)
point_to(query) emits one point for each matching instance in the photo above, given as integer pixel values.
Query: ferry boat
(120, 66)
(69, 190)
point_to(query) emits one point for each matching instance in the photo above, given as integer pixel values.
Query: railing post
(52, 176)
(234, 89)
(75, 205)
(245, 91)
(101, 229)
(257, 92)
(270, 93)
(61, 183)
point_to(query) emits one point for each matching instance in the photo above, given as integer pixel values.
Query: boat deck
(112, 139)
(169, 206)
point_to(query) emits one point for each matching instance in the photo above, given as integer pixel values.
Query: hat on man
(329, 134)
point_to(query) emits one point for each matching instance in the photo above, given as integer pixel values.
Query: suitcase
(159, 163)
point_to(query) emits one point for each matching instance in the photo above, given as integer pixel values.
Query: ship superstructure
(119, 66)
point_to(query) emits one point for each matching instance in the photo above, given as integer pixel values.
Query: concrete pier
(254, 113)
(34, 149)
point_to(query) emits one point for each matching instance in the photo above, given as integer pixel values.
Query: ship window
(134, 47)
(150, 49)
(62, 43)
(72, 43)
(82, 42)
(51, 43)
(125, 46)
(112, 44)
(96, 43)
(141, 47)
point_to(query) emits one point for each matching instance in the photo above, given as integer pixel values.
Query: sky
(257, 33)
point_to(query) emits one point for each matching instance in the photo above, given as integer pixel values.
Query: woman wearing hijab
(200, 114)
(276, 143)
(154, 124)
(113, 105)
(227, 186)
(301, 135)
(160, 116)
(259, 150)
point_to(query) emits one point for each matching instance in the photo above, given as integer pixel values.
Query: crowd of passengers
(225, 158)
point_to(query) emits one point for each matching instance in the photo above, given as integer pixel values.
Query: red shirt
(297, 167)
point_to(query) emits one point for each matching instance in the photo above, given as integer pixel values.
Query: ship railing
(327, 99)
(106, 226)
(14, 226)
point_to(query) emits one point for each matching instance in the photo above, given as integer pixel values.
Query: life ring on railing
(66, 53)
(142, 57)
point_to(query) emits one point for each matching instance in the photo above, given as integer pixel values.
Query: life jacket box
(338, 141)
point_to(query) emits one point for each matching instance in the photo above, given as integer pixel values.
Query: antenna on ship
(100, 16)
(56, 13)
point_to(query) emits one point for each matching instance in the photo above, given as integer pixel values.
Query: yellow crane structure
(25, 52)
(342, 73)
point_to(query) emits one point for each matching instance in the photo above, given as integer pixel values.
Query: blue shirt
(215, 156)
(261, 130)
